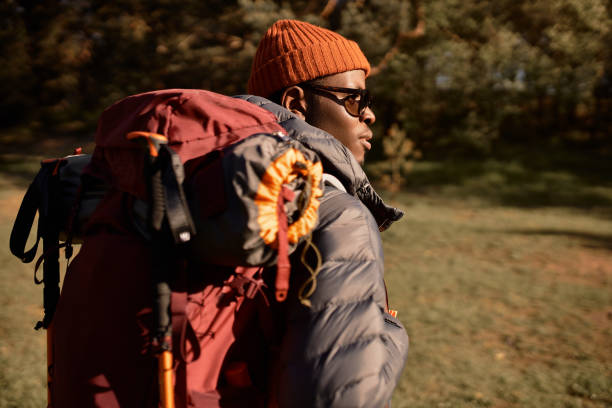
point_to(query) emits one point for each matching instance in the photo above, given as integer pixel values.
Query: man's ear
(294, 99)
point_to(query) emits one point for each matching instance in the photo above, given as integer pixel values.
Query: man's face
(326, 114)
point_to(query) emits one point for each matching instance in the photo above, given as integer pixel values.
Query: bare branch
(457, 38)
(329, 8)
(310, 8)
(416, 32)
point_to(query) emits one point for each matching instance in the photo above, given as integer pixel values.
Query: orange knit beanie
(293, 51)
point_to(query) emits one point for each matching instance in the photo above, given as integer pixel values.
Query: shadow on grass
(581, 179)
(589, 239)
(19, 170)
(22, 149)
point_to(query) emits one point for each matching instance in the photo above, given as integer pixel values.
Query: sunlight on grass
(22, 350)
(531, 182)
(504, 307)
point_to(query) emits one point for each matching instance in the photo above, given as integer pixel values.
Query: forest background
(455, 77)
(493, 133)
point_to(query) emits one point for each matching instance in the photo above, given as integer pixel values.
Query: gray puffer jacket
(345, 350)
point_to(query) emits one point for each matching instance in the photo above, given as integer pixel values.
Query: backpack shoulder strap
(333, 181)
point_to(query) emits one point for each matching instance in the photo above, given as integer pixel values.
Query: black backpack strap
(34, 200)
(177, 210)
(40, 197)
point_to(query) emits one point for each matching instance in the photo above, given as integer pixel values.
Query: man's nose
(368, 116)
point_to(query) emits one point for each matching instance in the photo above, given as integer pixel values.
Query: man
(344, 349)
(334, 347)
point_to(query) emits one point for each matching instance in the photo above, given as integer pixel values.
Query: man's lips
(365, 142)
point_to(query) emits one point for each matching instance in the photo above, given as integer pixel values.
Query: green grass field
(505, 307)
(22, 350)
(501, 272)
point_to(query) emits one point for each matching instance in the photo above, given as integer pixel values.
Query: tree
(458, 76)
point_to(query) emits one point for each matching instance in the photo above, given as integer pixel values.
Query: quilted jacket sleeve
(344, 351)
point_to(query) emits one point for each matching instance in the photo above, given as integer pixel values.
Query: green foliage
(400, 154)
(15, 66)
(484, 74)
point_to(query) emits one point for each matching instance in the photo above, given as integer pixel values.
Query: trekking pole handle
(151, 140)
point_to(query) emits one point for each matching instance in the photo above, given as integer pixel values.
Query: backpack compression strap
(35, 199)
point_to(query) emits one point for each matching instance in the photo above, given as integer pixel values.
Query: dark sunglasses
(355, 103)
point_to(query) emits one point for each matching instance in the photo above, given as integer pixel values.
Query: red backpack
(187, 196)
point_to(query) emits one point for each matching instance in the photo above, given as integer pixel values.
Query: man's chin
(362, 160)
